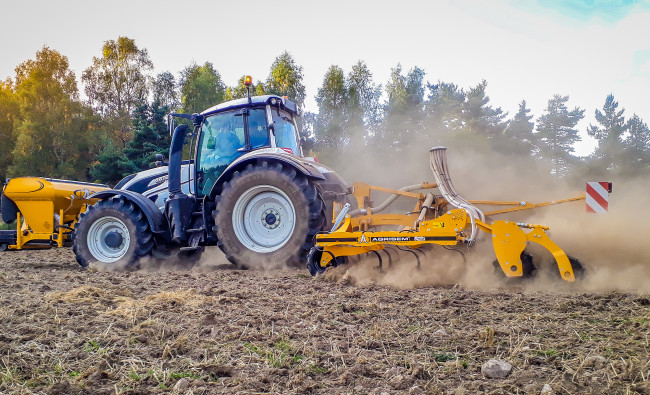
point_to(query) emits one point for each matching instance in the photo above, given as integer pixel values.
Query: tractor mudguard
(308, 168)
(155, 217)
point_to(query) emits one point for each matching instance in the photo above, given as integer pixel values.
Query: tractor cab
(231, 130)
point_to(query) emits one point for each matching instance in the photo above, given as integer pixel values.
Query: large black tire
(114, 233)
(267, 216)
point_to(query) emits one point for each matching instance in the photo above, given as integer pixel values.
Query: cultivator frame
(433, 223)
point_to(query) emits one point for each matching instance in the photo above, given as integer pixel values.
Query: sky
(524, 49)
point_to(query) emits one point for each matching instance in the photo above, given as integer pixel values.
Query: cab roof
(255, 101)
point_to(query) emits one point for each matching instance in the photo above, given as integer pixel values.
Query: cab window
(286, 135)
(257, 128)
(222, 137)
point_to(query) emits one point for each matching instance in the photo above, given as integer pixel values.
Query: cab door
(224, 138)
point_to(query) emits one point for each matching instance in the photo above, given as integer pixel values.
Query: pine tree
(444, 109)
(636, 146)
(556, 134)
(479, 118)
(111, 165)
(518, 139)
(609, 135)
(150, 135)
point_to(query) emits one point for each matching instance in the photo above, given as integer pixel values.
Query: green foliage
(348, 111)
(402, 127)
(9, 114)
(117, 81)
(637, 146)
(480, 119)
(201, 88)
(518, 138)
(53, 133)
(281, 355)
(150, 136)
(332, 101)
(285, 79)
(444, 108)
(609, 132)
(240, 90)
(46, 130)
(111, 165)
(557, 134)
(363, 105)
(165, 90)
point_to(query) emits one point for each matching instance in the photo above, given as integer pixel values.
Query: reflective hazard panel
(597, 196)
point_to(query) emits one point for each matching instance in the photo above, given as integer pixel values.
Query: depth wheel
(267, 216)
(112, 232)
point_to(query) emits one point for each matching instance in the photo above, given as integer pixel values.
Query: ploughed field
(214, 329)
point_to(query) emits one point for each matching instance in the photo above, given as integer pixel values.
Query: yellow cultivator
(446, 219)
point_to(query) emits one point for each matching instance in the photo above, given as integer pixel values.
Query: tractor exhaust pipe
(175, 159)
(178, 207)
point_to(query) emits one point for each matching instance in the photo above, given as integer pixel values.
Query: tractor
(247, 188)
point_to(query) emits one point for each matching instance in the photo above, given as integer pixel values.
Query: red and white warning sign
(597, 194)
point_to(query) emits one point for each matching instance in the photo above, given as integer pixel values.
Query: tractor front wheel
(114, 233)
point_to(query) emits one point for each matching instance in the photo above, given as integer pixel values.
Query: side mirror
(307, 143)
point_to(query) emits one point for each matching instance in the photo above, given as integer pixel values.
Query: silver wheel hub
(263, 218)
(108, 239)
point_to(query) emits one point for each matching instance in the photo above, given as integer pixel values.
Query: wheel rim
(264, 218)
(108, 239)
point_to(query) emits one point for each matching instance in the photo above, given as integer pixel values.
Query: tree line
(46, 129)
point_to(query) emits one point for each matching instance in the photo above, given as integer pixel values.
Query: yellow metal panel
(539, 236)
(509, 242)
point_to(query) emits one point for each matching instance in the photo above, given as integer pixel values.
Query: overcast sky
(527, 49)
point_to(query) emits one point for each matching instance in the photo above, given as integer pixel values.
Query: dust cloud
(612, 247)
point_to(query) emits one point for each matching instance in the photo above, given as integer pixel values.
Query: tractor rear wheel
(112, 232)
(267, 216)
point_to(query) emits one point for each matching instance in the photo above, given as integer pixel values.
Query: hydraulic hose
(440, 171)
(387, 202)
